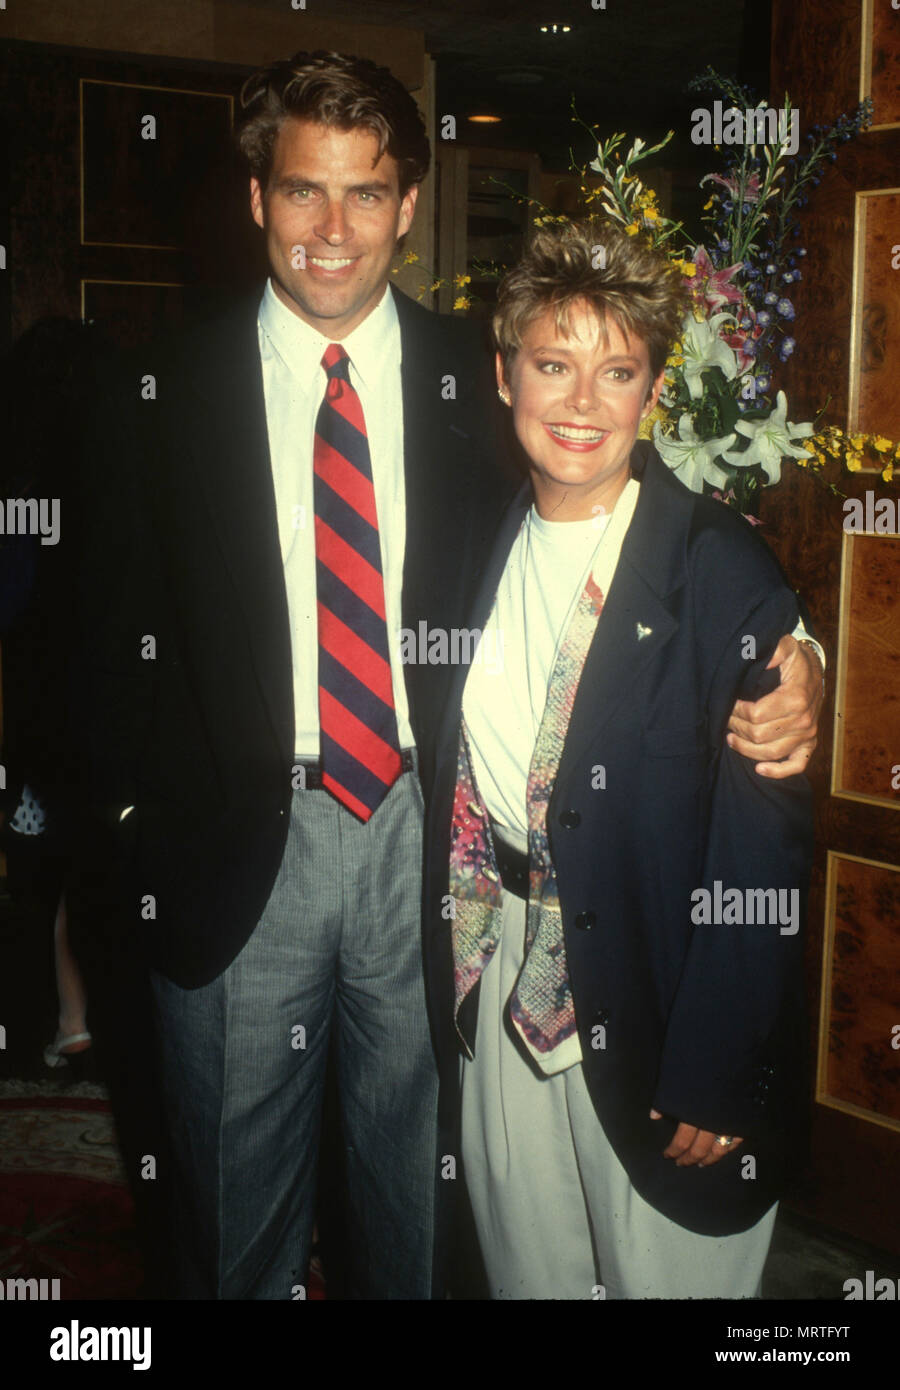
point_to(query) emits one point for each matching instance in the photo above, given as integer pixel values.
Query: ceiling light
(556, 28)
(486, 120)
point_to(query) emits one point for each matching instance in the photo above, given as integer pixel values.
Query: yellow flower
(880, 443)
(460, 280)
(659, 412)
(650, 214)
(435, 287)
(853, 461)
(461, 302)
(632, 229)
(410, 258)
(888, 472)
(810, 445)
(707, 206)
(857, 440)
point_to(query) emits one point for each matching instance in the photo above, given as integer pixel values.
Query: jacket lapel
(232, 449)
(636, 621)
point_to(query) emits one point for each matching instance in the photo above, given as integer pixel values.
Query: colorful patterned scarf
(541, 1005)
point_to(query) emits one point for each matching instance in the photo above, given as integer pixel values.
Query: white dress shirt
(294, 381)
(503, 702)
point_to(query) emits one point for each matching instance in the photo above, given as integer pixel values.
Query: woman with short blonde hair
(631, 1028)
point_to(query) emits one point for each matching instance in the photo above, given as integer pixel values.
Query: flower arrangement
(461, 299)
(721, 425)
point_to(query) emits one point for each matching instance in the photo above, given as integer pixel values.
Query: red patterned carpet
(65, 1209)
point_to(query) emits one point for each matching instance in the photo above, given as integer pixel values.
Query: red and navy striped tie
(360, 748)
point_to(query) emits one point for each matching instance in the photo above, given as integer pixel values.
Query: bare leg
(72, 998)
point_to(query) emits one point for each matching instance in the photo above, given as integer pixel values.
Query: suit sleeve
(741, 978)
(112, 683)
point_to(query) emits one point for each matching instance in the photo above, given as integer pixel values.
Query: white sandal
(54, 1052)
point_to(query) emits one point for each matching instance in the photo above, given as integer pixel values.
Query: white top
(503, 701)
(294, 381)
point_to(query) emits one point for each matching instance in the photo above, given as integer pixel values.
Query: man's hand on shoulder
(779, 731)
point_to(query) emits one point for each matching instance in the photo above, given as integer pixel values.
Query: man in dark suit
(253, 734)
(273, 524)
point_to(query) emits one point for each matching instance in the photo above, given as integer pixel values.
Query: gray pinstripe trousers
(336, 955)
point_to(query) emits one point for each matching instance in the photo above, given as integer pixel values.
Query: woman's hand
(784, 723)
(690, 1145)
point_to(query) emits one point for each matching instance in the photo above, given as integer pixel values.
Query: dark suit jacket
(704, 1023)
(180, 545)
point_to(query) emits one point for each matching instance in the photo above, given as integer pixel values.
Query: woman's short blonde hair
(623, 278)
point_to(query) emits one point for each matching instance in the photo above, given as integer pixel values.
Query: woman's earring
(503, 394)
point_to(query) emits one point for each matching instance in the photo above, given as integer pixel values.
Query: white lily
(703, 348)
(691, 458)
(771, 440)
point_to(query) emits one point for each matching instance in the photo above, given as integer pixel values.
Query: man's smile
(331, 264)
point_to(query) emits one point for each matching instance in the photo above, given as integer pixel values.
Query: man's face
(332, 214)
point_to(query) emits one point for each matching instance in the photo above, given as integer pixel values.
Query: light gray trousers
(335, 959)
(556, 1214)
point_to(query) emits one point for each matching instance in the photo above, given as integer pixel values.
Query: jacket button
(569, 819)
(585, 920)
(601, 1016)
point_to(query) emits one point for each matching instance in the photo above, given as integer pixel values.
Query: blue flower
(771, 268)
(786, 348)
(771, 298)
(785, 309)
(763, 318)
(762, 383)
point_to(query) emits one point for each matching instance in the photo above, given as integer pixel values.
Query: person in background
(40, 400)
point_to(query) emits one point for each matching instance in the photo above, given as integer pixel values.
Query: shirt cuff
(801, 635)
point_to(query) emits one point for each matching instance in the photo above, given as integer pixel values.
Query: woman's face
(577, 404)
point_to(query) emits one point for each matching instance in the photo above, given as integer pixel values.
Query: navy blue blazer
(179, 541)
(703, 1022)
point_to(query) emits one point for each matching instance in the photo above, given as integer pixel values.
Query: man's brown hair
(332, 89)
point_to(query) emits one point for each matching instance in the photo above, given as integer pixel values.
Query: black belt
(312, 768)
(512, 866)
